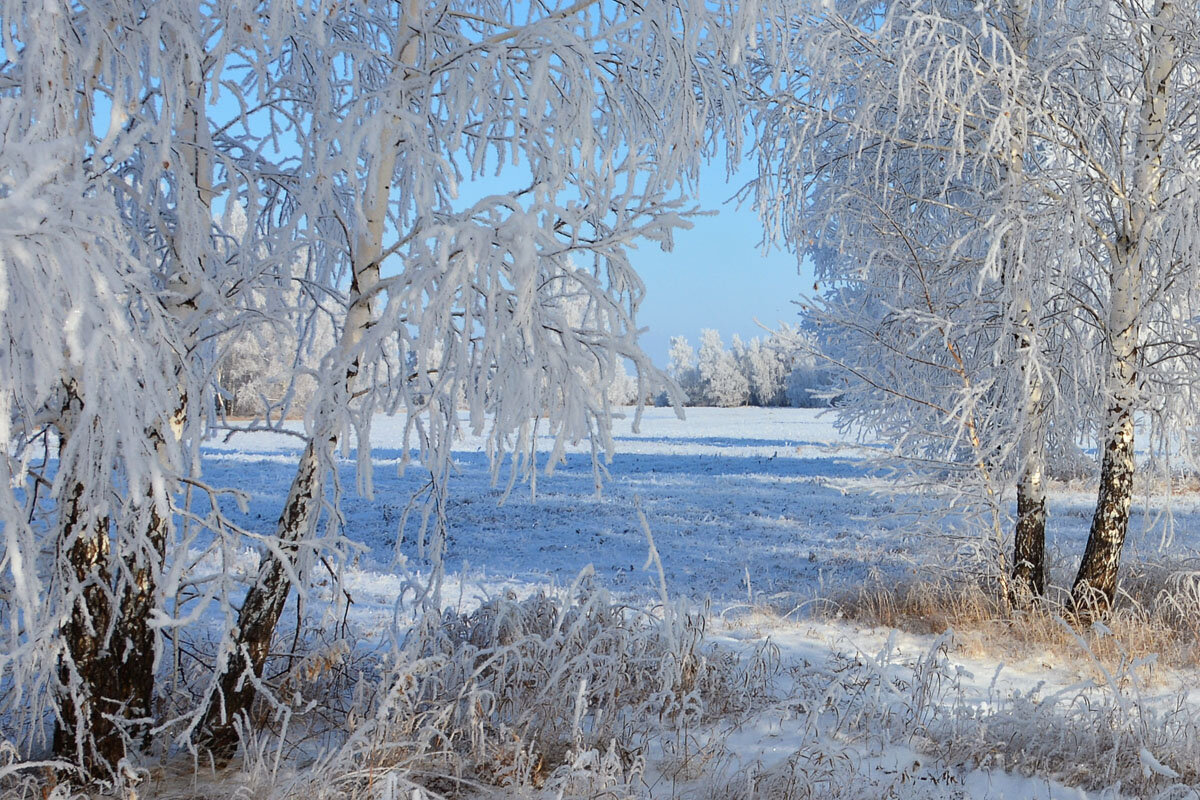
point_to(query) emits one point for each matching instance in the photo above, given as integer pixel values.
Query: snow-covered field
(759, 512)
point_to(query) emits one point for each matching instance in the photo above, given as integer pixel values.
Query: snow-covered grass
(741, 643)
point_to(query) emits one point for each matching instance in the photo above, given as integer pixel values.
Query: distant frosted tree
(807, 380)
(776, 370)
(682, 368)
(766, 369)
(721, 380)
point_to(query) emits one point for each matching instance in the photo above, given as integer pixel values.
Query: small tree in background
(683, 370)
(721, 380)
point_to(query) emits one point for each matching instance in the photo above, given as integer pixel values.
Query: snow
(757, 511)
(727, 493)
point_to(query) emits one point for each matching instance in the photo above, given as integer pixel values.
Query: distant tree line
(778, 370)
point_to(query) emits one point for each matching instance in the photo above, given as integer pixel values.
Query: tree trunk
(1096, 584)
(1029, 538)
(107, 671)
(133, 652)
(1029, 533)
(85, 733)
(261, 610)
(267, 596)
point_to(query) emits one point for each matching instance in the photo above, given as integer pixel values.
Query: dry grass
(1156, 617)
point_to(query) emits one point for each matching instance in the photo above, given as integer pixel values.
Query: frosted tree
(983, 191)
(681, 366)
(112, 276)
(353, 128)
(781, 369)
(596, 112)
(1124, 120)
(107, 282)
(721, 381)
(797, 373)
(766, 372)
(903, 124)
(609, 380)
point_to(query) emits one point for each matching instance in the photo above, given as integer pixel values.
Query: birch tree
(117, 276)
(354, 128)
(896, 176)
(76, 255)
(408, 101)
(983, 190)
(1125, 120)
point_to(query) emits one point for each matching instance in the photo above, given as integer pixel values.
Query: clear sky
(717, 276)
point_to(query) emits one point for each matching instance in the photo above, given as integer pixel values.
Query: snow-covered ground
(759, 511)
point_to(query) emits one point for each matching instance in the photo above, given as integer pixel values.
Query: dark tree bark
(85, 733)
(1096, 584)
(260, 612)
(107, 670)
(133, 652)
(1029, 550)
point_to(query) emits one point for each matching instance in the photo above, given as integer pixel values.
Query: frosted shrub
(558, 692)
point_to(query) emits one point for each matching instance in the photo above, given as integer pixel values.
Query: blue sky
(717, 276)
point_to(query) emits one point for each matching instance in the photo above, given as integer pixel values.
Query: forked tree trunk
(107, 671)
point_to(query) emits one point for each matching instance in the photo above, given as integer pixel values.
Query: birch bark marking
(1096, 583)
(266, 598)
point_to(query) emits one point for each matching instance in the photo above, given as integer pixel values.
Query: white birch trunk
(1096, 583)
